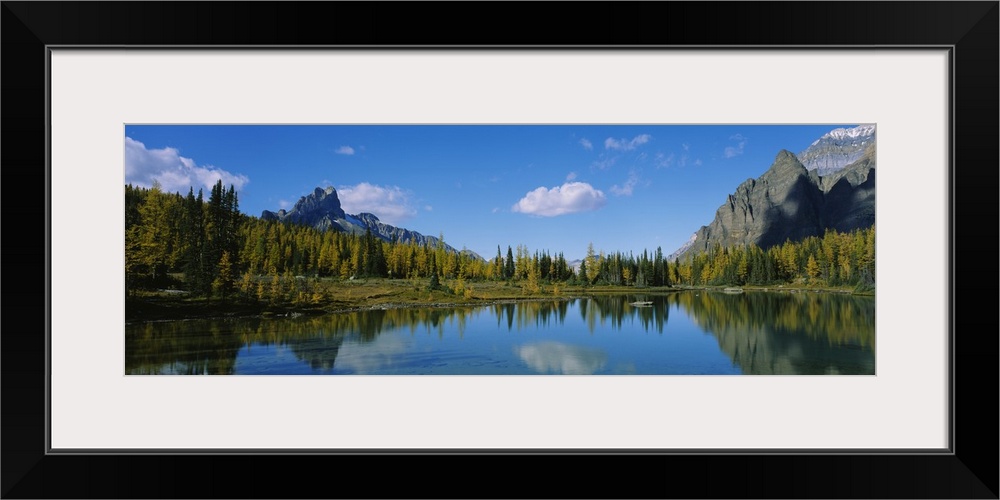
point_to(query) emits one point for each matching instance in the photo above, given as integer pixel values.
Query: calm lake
(680, 333)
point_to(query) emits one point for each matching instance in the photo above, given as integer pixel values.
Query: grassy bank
(327, 296)
(798, 287)
(322, 296)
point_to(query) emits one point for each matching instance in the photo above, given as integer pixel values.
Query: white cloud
(570, 176)
(284, 204)
(625, 144)
(344, 150)
(737, 150)
(571, 197)
(428, 208)
(664, 161)
(174, 172)
(391, 204)
(626, 189)
(604, 163)
(586, 144)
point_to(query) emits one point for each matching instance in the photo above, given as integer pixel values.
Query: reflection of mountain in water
(319, 353)
(210, 346)
(562, 358)
(789, 334)
(762, 333)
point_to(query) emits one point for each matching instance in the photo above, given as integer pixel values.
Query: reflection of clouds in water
(558, 357)
(372, 357)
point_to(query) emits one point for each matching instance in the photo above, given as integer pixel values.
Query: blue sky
(550, 187)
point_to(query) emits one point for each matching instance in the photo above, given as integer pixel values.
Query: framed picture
(929, 85)
(345, 282)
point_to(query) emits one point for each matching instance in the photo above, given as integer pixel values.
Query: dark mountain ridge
(790, 202)
(321, 210)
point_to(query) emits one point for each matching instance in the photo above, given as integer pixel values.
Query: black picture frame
(969, 28)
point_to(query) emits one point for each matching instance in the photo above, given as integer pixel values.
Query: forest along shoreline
(344, 296)
(190, 258)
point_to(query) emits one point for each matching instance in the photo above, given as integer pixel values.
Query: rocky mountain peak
(321, 210)
(837, 149)
(786, 163)
(786, 156)
(792, 202)
(368, 218)
(321, 199)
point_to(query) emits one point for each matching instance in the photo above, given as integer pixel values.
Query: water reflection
(751, 333)
(562, 358)
(174, 347)
(789, 333)
(613, 310)
(525, 315)
(320, 353)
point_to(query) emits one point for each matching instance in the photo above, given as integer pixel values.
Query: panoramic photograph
(500, 249)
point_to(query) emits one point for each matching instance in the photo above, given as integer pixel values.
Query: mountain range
(321, 210)
(829, 185)
(792, 201)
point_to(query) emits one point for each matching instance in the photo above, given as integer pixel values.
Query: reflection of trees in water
(761, 332)
(210, 346)
(172, 347)
(786, 333)
(600, 309)
(614, 309)
(532, 314)
(833, 318)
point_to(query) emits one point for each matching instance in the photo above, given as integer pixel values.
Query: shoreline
(378, 295)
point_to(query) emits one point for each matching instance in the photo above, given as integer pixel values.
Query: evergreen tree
(373, 261)
(435, 282)
(498, 269)
(196, 268)
(660, 277)
(640, 279)
(508, 270)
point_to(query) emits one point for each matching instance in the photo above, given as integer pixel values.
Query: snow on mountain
(683, 248)
(851, 133)
(837, 149)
